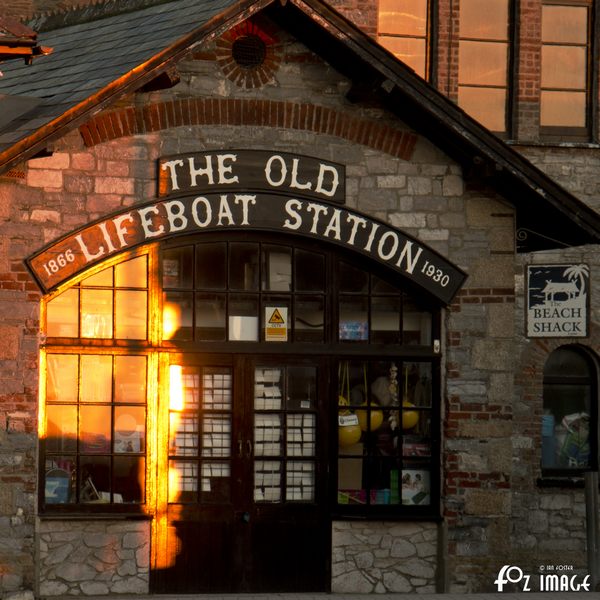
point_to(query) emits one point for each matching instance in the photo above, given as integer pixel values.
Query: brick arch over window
(529, 388)
(262, 113)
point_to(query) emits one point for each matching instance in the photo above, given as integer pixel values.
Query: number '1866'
(56, 264)
(436, 274)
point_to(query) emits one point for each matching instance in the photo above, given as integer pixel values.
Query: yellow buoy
(376, 418)
(409, 417)
(349, 430)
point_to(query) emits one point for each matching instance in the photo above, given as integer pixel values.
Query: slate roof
(106, 51)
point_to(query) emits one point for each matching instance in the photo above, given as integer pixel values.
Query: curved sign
(319, 220)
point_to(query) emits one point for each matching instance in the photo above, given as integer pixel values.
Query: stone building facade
(490, 502)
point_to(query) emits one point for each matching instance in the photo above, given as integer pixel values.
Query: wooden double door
(245, 505)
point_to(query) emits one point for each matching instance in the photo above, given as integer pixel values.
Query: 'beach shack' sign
(557, 300)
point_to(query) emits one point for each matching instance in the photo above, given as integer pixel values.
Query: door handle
(248, 448)
(240, 447)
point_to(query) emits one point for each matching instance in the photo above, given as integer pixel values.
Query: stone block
(402, 549)
(45, 178)
(492, 272)
(9, 349)
(501, 322)
(493, 354)
(487, 502)
(556, 502)
(58, 160)
(481, 211)
(114, 185)
(452, 185)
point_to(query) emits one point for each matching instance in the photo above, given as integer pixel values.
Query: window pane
(353, 279)
(129, 479)
(416, 486)
(96, 378)
(177, 264)
(277, 269)
(487, 105)
(267, 481)
(309, 323)
(566, 363)
(102, 279)
(132, 273)
(354, 319)
(243, 318)
(62, 315)
(63, 377)
(96, 313)
(216, 482)
(177, 315)
(183, 481)
(564, 24)
(243, 266)
(59, 476)
(61, 428)
(301, 387)
(131, 315)
(563, 67)
(385, 319)
(482, 63)
(416, 324)
(300, 481)
(94, 479)
(130, 379)
(407, 17)
(410, 51)
(484, 19)
(211, 266)
(566, 109)
(210, 316)
(310, 271)
(130, 429)
(94, 429)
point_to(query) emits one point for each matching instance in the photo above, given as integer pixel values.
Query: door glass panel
(301, 387)
(267, 389)
(200, 421)
(267, 480)
(268, 435)
(301, 435)
(300, 481)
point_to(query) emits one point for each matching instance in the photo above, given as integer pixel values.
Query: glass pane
(309, 323)
(94, 479)
(301, 387)
(484, 19)
(353, 279)
(129, 479)
(96, 313)
(563, 109)
(131, 315)
(564, 24)
(102, 279)
(178, 267)
(94, 429)
(410, 51)
(216, 482)
(301, 434)
(183, 481)
(132, 273)
(482, 63)
(563, 67)
(267, 481)
(211, 266)
(300, 481)
(350, 484)
(310, 271)
(487, 105)
(415, 383)
(217, 389)
(96, 378)
(276, 315)
(243, 266)
(216, 436)
(61, 428)
(62, 315)
(63, 377)
(130, 379)
(267, 388)
(566, 362)
(379, 286)
(416, 487)
(210, 316)
(183, 434)
(403, 16)
(243, 318)
(268, 435)
(354, 318)
(59, 480)
(130, 429)
(385, 319)
(277, 269)
(178, 315)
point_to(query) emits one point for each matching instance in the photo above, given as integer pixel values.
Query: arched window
(569, 439)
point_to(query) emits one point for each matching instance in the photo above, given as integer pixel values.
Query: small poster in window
(557, 300)
(354, 330)
(415, 487)
(276, 324)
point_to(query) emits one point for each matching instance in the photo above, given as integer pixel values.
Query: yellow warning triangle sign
(276, 317)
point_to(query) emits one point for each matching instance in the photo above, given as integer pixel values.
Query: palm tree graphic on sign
(579, 272)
